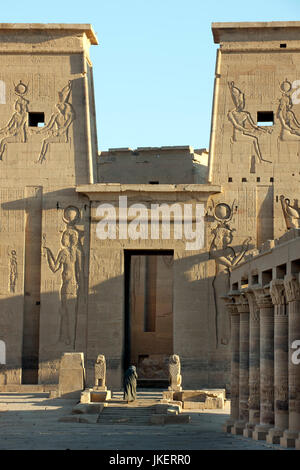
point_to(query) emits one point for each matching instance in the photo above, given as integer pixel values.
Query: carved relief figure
(100, 372)
(290, 127)
(16, 128)
(57, 128)
(225, 257)
(13, 271)
(291, 213)
(70, 261)
(244, 128)
(174, 372)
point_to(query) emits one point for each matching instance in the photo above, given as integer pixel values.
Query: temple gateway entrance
(149, 314)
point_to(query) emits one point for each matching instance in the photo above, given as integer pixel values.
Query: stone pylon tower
(254, 148)
(48, 145)
(255, 131)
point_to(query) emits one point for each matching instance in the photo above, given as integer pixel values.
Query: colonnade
(265, 375)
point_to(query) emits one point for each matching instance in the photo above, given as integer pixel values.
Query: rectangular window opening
(282, 46)
(36, 119)
(265, 118)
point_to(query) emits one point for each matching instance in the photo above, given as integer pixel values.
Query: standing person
(130, 380)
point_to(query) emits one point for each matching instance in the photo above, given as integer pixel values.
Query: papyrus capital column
(277, 292)
(254, 355)
(231, 307)
(243, 309)
(292, 292)
(266, 309)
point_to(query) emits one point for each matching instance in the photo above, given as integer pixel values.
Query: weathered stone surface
(71, 375)
(88, 408)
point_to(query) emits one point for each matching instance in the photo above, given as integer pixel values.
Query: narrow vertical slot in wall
(32, 280)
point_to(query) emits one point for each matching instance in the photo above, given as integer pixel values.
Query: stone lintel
(94, 191)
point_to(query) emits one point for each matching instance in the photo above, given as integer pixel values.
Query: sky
(155, 62)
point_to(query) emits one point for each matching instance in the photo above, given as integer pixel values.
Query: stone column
(292, 292)
(235, 364)
(280, 362)
(243, 309)
(266, 313)
(254, 354)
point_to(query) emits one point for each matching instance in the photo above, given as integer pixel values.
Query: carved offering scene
(244, 128)
(57, 128)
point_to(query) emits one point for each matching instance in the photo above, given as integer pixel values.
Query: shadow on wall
(68, 320)
(94, 323)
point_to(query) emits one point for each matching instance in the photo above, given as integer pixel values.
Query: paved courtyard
(30, 421)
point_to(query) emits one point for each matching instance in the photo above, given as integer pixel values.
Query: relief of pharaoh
(56, 130)
(16, 128)
(244, 128)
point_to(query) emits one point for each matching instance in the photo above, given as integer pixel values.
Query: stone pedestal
(266, 312)
(280, 362)
(71, 375)
(243, 309)
(235, 363)
(91, 395)
(254, 348)
(292, 291)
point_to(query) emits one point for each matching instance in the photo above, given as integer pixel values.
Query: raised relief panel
(244, 129)
(16, 128)
(13, 271)
(70, 263)
(291, 213)
(56, 130)
(226, 257)
(289, 136)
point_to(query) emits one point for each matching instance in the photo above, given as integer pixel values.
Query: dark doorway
(149, 314)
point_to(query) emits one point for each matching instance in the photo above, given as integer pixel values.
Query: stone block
(288, 442)
(238, 429)
(71, 375)
(273, 436)
(88, 408)
(100, 395)
(85, 396)
(259, 435)
(297, 444)
(164, 407)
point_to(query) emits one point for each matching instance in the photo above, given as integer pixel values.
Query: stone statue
(100, 372)
(174, 373)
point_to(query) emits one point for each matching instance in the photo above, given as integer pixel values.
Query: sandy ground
(30, 422)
